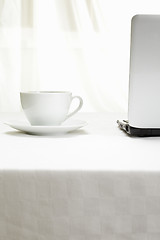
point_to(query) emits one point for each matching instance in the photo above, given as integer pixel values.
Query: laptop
(144, 79)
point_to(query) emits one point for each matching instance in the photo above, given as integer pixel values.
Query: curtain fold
(75, 49)
(9, 55)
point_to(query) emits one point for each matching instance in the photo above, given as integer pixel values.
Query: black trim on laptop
(139, 132)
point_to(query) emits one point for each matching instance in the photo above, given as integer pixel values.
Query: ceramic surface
(48, 108)
(67, 126)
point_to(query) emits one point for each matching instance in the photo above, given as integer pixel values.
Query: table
(100, 145)
(95, 183)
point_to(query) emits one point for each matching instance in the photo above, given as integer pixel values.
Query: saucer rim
(23, 123)
(46, 130)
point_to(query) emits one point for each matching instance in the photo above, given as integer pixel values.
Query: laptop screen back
(144, 86)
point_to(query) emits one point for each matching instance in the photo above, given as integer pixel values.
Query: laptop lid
(144, 83)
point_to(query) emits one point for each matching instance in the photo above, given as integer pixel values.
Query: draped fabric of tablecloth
(96, 183)
(79, 205)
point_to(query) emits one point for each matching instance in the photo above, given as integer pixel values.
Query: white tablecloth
(99, 145)
(71, 205)
(93, 184)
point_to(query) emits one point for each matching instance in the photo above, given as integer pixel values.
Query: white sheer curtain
(18, 57)
(76, 45)
(73, 50)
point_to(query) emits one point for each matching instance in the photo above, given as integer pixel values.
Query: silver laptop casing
(144, 82)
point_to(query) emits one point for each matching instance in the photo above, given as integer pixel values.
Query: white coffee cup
(48, 108)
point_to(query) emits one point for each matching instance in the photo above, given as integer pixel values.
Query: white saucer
(67, 126)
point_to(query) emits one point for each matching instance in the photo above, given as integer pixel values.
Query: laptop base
(139, 132)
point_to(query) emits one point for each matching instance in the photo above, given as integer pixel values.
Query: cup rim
(45, 92)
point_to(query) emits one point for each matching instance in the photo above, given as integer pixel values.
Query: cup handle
(78, 108)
